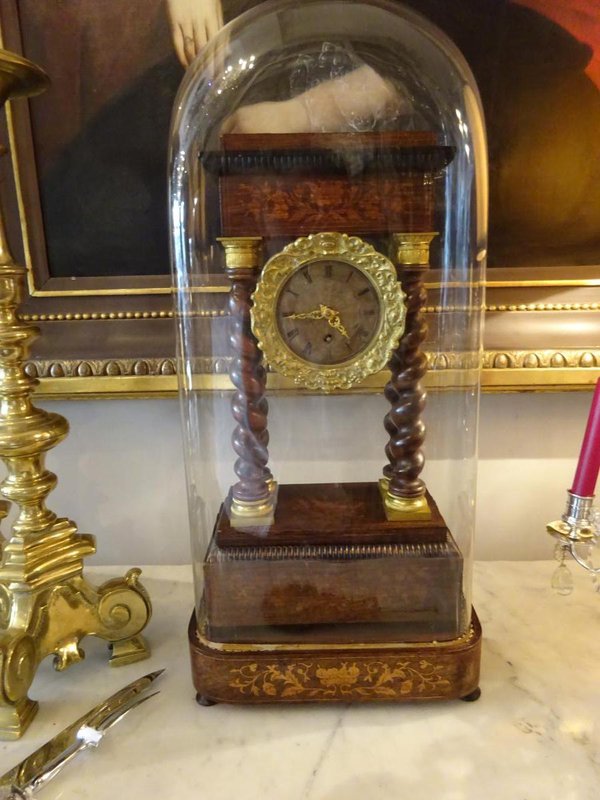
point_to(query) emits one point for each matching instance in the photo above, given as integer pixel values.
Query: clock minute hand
(316, 314)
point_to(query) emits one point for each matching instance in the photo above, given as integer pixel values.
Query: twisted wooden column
(252, 495)
(402, 488)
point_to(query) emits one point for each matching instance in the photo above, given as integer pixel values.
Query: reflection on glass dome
(329, 198)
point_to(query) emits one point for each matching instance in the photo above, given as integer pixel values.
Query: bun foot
(472, 696)
(202, 700)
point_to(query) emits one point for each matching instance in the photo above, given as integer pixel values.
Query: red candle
(586, 474)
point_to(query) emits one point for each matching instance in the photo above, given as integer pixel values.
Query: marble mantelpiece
(533, 735)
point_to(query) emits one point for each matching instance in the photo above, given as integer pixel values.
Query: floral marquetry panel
(348, 681)
(254, 675)
(290, 206)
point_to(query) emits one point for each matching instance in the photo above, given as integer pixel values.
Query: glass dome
(328, 196)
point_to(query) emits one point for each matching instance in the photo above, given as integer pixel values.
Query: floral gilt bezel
(362, 256)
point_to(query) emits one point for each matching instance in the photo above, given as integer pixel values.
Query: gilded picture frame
(114, 334)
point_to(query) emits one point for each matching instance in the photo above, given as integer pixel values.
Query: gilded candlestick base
(128, 651)
(53, 620)
(46, 605)
(14, 720)
(403, 508)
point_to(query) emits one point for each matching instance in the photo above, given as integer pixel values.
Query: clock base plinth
(331, 562)
(330, 514)
(295, 673)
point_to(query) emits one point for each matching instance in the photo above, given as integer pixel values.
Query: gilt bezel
(362, 256)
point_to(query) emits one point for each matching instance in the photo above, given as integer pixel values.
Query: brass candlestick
(46, 605)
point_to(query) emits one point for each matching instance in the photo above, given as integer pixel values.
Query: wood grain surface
(433, 671)
(332, 513)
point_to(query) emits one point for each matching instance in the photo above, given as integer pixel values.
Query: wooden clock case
(333, 598)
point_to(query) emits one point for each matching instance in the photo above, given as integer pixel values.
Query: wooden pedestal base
(331, 560)
(267, 673)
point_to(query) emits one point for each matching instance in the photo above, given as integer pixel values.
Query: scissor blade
(118, 715)
(31, 766)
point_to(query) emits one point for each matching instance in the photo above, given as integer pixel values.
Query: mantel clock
(328, 163)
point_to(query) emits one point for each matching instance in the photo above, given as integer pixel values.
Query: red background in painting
(579, 17)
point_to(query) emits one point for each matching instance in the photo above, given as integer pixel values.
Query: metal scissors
(34, 772)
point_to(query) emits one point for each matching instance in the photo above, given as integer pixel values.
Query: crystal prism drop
(562, 580)
(586, 551)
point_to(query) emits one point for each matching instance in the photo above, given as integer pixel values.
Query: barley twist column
(403, 490)
(252, 495)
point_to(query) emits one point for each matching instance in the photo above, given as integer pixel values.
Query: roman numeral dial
(328, 312)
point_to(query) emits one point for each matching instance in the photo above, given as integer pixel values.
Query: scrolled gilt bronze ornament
(46, 605)
(327, 311)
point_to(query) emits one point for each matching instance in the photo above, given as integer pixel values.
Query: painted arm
(193, 24)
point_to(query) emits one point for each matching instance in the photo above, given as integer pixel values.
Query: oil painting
(100, 133)
(93, 150)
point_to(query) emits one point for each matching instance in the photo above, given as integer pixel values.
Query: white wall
(121, 475)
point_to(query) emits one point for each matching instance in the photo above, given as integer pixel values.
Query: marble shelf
(533, 735)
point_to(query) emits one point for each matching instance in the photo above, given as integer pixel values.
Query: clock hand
(316, 314)
(336, 323)
(323, 312)
(333, 318)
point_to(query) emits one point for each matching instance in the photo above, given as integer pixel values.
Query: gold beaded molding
(544, 359)
(492, 360)
(521, 307)
(545, 307)
(113, 315)
(136, 315)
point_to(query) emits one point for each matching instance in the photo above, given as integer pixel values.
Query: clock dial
(328, 312)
